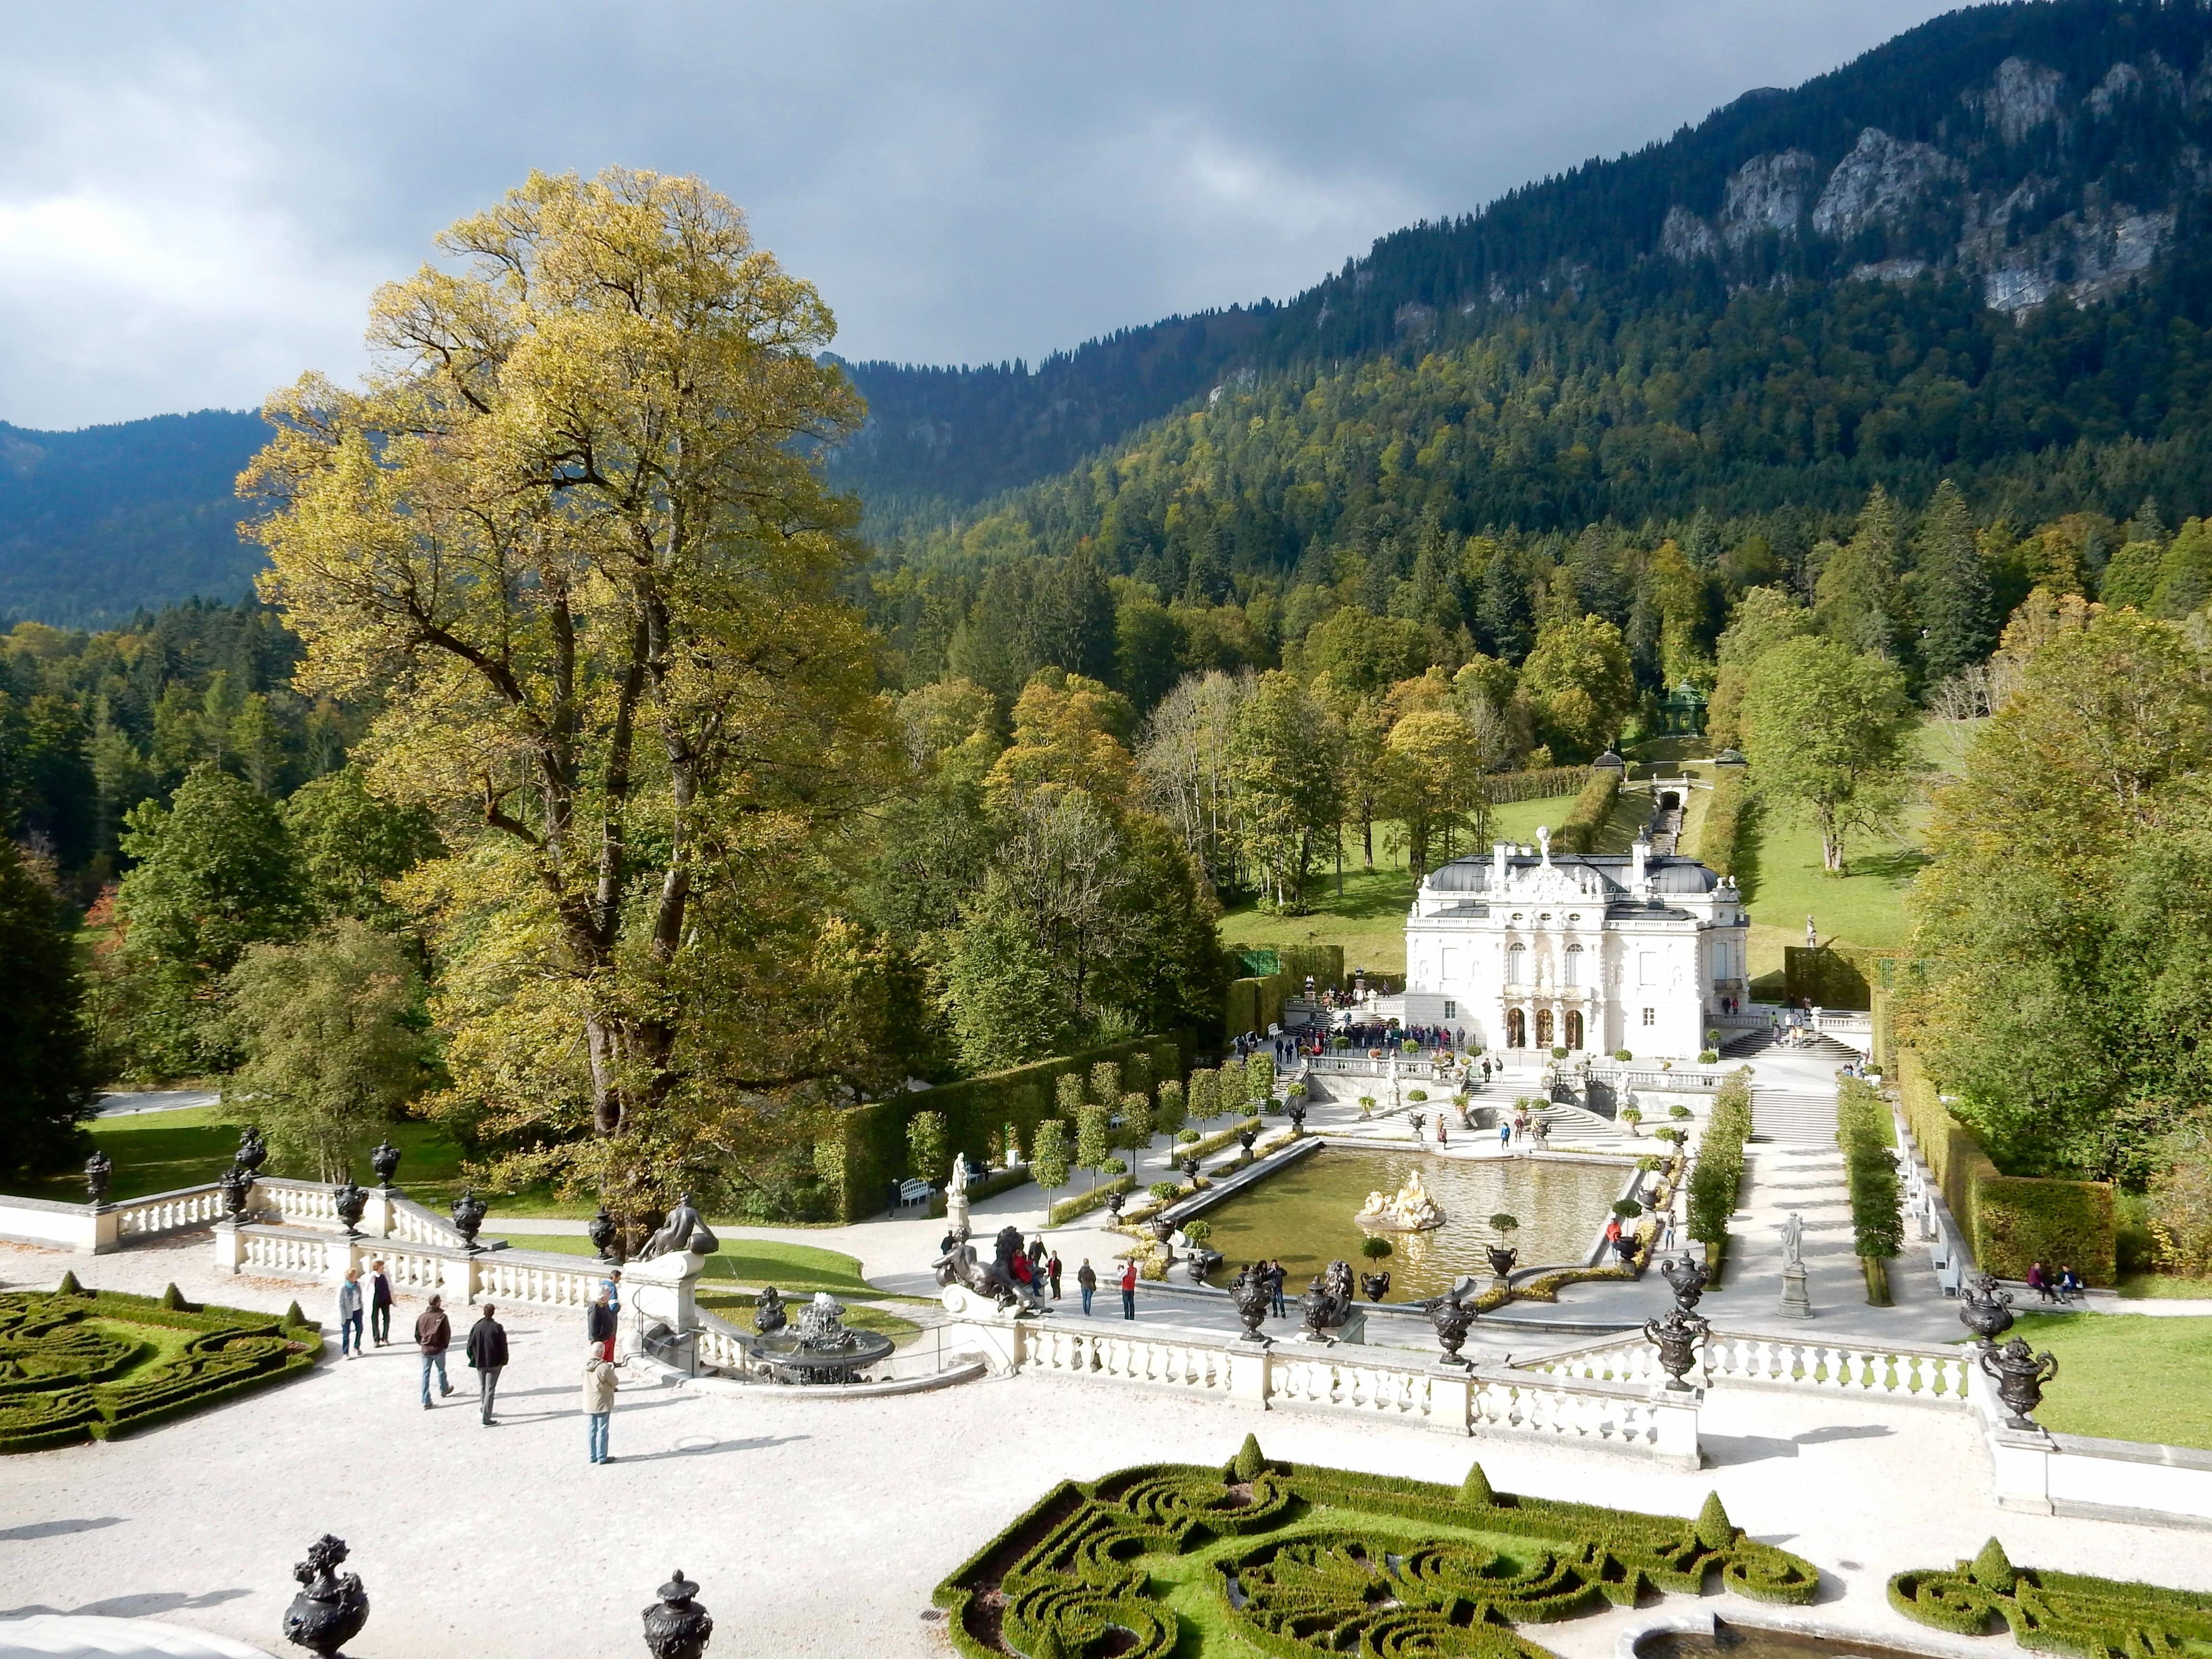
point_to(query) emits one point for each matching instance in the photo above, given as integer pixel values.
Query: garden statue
(1328, 1302)
(676, 1626)
(350, 1201)
(1797, 1303)
(1410, 1210)
(383, 1158)
(602, 1231)
(955, 1198)
(99, 1168)
(2020, 1374)
(685, 1228)
(1253, 1293)
(331, 1607)
(468, 1213)
(1984, 1309)
(237, 1184)
(994, 1279)
(1793, 1240)
(1676, 1337)
(252, 1150)
(769, 1317)
(1687, 1278)
(1452, 1318)
(1376, 1284)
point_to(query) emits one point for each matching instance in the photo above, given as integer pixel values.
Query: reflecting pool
(1750, 1642)
(1303, 1216)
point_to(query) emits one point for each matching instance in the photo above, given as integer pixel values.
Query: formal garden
(78, 1364)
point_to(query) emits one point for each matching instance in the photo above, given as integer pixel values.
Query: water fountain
(1410, 1210)
(821, 1348)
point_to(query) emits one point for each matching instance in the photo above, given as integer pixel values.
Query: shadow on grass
(1750, 845)
(1900, 863)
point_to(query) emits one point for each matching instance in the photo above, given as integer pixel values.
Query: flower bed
(1294, 1560)
(91, 1364)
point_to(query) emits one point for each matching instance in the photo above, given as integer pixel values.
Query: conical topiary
(294, 1317)
(68, 1286)
(174, 1299)
(1714, 1530)
(1993, 1569)
(1476, 1489)
(1249, 1460)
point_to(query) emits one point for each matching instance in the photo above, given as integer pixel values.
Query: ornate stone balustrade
(1682, 1080)
(523, 1278)
(298, 1203)
(161, 1214)
(1889, 1370)
(1383, 1383)
(409, 1221)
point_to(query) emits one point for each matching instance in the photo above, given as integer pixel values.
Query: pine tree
(45, 1067)
(1958, 610)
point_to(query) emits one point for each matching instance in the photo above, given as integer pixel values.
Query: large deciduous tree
(570, 538)
(1288, 760)
(1824, 728)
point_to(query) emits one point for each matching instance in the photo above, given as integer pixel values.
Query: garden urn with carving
(331, 1607)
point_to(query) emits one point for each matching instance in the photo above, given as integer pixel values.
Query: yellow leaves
(1066, 732)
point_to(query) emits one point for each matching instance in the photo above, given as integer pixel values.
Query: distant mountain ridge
(2019, 158)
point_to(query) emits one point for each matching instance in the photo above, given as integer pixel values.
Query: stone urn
(1252, 1294)
(383, 1158)
(331, 1607)
(1676, 1336)
(1376, 1284)
(1199, 1262)
(1452, 1318)
(1984, 1309)
(468, 1214)
(1189, 1167)
(350, 1201)
(99, 1169)
(602, 1231)
(1687, 1278)
(1114, 1201)
(1297, 1117)
(1163, 1231)
(1502, 1260)
(237, 1185)
(2020, 1373)
(252, 1151)
(676, 1626)
(1245, 1137)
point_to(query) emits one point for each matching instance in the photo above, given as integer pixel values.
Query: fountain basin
(787, 1360)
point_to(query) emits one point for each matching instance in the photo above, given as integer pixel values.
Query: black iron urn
(1688, 1277)
(468, 1216)
(1984, 1309)
(1297, 1117)
(601, 1232)
(383, 1158)
(1502, 1258)
(350, 1201)
(1377, 1286)
(1452, 1318)
(1676, 1337)
(1253, 1296)
(676, 1626)
(99, 1168)
(331, 1607)
(2020, 1373)
(1245, 1137)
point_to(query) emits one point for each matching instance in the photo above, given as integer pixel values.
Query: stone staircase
(1793, 1117)
(1758, 1041)
(1565, 1121)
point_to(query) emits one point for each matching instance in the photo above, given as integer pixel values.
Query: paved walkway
(820, 1526)
(130, 1103)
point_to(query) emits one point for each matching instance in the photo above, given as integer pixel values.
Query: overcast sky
(196, 200)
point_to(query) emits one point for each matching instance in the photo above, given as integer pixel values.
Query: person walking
(1086, 1282)
(380, 1304)
(487, 1358)
(349, 1315)
(432, 1334)
(598, 1403)
(1052, 1273)
(599, 1325)
(1129, 1289)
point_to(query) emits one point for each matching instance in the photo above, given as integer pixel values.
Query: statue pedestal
(1796, 1303)
(660, 1292)
(956, 1212)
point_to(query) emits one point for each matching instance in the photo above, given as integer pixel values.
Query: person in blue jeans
(432, 1334)
(1086, 1280)
(349, 1315)
(598, 1404)
(1129, 1289)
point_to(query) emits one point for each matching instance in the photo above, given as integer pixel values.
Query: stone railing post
(457, 1279)
(376, 1215)
(661, 1291)
(1675, 1426)
(1252, 1374)
(1451, 1400)
(229, 1247)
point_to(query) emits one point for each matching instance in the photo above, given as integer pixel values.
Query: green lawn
(160, 1151)
(789, 1267)
(2164, 1287)
(2126, 1376)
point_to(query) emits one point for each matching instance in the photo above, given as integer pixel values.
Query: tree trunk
(1877, 1280)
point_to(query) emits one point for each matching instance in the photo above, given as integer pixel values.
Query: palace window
(1516, 965)
(1574, 964)
(1651, 1016)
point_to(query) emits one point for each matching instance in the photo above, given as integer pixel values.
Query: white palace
(1593, 952)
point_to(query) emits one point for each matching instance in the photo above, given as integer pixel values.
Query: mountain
(1979, 242)
(98, 523)
(1976, 251)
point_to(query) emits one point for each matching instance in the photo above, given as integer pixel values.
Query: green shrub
(1587, 816)
(928, 1159)
(1726, 809)
(1375, 1249)
(1048, 1154)
(1709, 1057)
(2054, 1611)
(1623, 1056)
(1165, 1190)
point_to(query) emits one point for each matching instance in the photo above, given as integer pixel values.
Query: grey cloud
(194, 202)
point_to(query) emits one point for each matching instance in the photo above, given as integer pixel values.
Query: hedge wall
(1504, 788)
(2010, 1222)
(1253, 1004)
(870, 1144)
(1725, 816)
(1587, 819)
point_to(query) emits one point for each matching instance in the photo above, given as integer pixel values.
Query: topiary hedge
(2054, 1611)
(1727, 810)
(1593, 807)
(2010, 1222)
(80, 1365)
(1308, 1571)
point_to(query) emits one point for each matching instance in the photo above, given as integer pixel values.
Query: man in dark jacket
(432, 1333)
(487, 1357)
(380, 1304)
(599, 1326)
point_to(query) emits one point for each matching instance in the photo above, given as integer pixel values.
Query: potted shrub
(1679, 1112)
(1166, 1191)
(1416, 1095)
(1367, 1105)
(1201, 1258)
(1709, 1057)
(1188, 1138)
(1375, 1249)
(1623, 1056)
(1502, 1255)
(1558, 1054)
(1632, 1115)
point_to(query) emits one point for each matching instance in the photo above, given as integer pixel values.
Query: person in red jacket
(1129, 1289)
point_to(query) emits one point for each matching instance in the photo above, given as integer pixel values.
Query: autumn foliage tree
(568, 538)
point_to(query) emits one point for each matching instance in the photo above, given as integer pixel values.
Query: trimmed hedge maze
(2057, 1611)
(91, 1364)
(1294, 1561)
